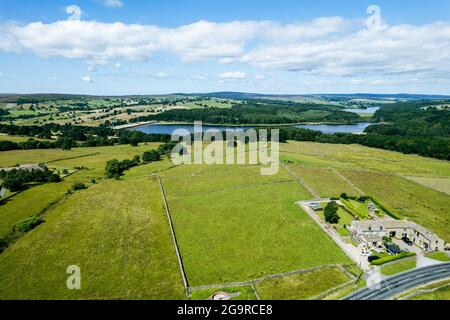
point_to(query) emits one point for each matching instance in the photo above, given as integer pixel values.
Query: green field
(116, 232)
(325, 181)
(440, 256)
(231, 223)
(302, 286)
(440, 294)
(243, 233)
(398, 267)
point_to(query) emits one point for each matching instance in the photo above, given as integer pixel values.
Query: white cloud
(87, 79)
(53, 78)
(201, 77)
(329, 46)
(232, 76)
(111, 3)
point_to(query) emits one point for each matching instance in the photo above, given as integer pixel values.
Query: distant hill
(10, 97)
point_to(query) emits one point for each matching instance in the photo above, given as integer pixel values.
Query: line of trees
(435, 147)
(18, 179)
(114, 168)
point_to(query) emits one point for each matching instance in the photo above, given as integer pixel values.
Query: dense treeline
(252, 112)
(434, 147)
(115, 168)
(70, 136)
(422, 119)
(17, 179)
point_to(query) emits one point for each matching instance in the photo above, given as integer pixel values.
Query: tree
(15, 180)
(151, 156)
(331, 213)
(114, 169)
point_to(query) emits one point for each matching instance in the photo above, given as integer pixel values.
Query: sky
(120, 47)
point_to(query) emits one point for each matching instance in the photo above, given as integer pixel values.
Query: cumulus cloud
(232, 76)
(87, 79)
(329, 46)
(111, 3)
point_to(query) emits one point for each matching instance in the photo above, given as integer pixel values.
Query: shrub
(78, 186)
(387, 259)
(150, 156)
(28, 224)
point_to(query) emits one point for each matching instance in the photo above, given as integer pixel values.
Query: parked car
(407, 241)
(365, 253)
(372, 258)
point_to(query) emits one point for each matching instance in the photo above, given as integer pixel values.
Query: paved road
(403, 282)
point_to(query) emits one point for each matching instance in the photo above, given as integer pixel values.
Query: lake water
(356, 128)
(169, 128)
(370, 110)
(325, 128)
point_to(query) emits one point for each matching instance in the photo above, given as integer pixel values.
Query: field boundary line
(238, 187)
(174, 238)
(351, 184)
(257, 280)
(255, 291)
(301, 181)
(423, 291)
(71, 158)
(322, 295)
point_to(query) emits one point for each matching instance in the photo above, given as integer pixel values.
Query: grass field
(440, 256)
(398, 267)
(439, 184)
(245, 293)
(440, 294)
(302, 286)
(31, 202)
(116, 232)
(248, 232)
(325, 181)
(4, 137)
(232, 224)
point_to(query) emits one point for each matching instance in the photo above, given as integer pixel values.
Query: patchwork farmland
(236, 230)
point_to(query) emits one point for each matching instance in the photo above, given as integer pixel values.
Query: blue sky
(319, 46)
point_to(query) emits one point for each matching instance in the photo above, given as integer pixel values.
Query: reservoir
(356, 128)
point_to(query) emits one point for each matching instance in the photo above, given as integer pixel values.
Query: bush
(399, 256)
(150, 156)
(78, 186)
(28, 224)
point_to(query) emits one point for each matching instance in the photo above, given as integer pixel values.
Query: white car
(366, 253)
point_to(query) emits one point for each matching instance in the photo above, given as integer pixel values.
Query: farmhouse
(372, 233)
